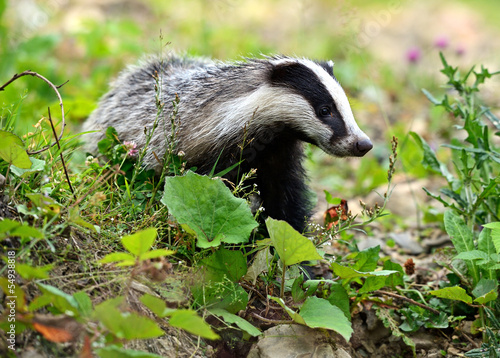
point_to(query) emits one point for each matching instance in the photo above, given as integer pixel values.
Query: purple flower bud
(441, 42)
(413, 55)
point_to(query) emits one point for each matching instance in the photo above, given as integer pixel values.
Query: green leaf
(460, 234)
(29, 273)
(430, 97)
(153, 254)
(84, 303)
(59, 299)
(456, 293)
(389, 321)
(37, 165)
(293, 315)
(140, 242)
(394, 279)
(75, 218)
(209, 208)
(485, 291)
(473, 255)
(189, 321)
(330, 199)
(495, 234)
(319, 313)
(366, 260)
(12, 150)
(340, 298)
(261, 262)
(157, 305)
(224, 263)
(123, 258)
(125, 325)
(348, 273)
(430, 160)
(373, 283)
(291, 246)
(240, 322)
(118, 352)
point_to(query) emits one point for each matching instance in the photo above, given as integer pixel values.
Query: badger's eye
(325, 111)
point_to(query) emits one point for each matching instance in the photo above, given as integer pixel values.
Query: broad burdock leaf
(209, 208)
(12, 150)
(291, 246)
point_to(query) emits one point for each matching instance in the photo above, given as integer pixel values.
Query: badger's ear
(328, 66)
(290, 74)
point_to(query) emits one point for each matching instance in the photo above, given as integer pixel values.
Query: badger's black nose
(362, 147)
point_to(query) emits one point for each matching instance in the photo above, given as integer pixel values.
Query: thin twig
(55, 88)
(413, 302)
(273, 321)
(61, 154)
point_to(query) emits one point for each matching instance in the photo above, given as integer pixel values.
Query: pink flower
(131, 148)
(441, 42)
(460, 50)
(413, 55)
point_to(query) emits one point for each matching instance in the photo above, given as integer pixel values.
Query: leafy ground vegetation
(101, 257)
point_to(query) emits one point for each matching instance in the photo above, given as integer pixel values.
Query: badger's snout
(362, 147)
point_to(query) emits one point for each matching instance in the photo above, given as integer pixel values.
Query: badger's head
(316, 106)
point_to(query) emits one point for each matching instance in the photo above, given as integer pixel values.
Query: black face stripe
(302, 80)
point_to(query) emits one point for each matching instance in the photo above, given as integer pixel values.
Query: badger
(257, 112)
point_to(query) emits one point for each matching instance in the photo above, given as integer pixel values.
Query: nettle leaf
(125, 325)
(319, 313)
(156, 305)
(230, 318)
(28, 272)
(209, 208)
(12, 150)
(456, 293)
(189, 321)
(140, 242)
(291, 246)
(122, 258)
(495, 234)
(52, 295)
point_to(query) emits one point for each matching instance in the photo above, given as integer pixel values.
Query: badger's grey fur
(273, 103)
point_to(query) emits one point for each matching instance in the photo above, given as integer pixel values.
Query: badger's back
(258, 111)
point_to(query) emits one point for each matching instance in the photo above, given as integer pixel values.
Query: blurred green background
(384, 53)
